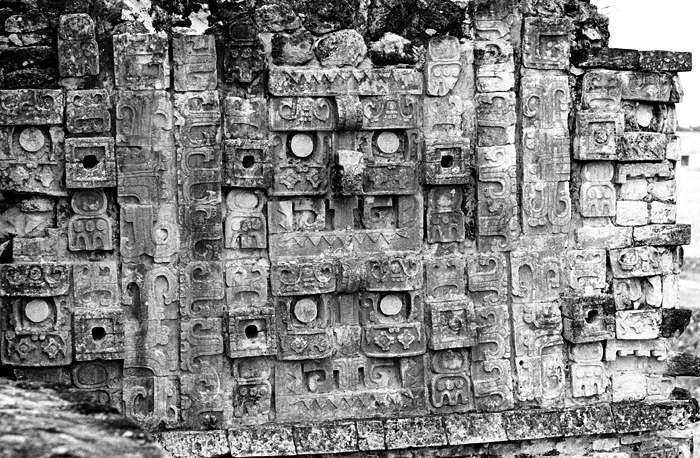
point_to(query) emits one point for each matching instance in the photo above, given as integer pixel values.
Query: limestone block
(643, 262)
(603, 237)
(666, 61)
(370, 435)
(602, 90)
(588, 318)
(443, 65)
(448, 160)
(632, 213)
(597, 135)
(546, 43)
(289, 81)
(635, 293)
(629, 386)
(341, 49)
(662, 235)
(98, 334)
(88, 112)
(674, 148)
(247, 163)
(141, 61)
(261, 441)
(662, 213)
(639, 146)
(444, 215)
(663, 191)
(637, 324)
(31, 107)
(532, 424)
(292, 49)
(194, 63)
(78, 51)
(598, 194)
(634, 417)
(415, 432)
(24, 320)
(651, 87)
(90, 163)
(495, 66)
(594, 419)
(207, 444)
(671, 291)
(326, 438)
(245, 118)
(610, 58)
(586, 269)
(664, 169)
(635, 189)
(475, 428)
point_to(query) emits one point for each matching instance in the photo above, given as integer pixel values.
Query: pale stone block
(633, 190)
(671, 293)
(638, 324)
(628, 386)
(632, 213)
(611, 237)
(674, 148)
(663, 213)
(664, 191)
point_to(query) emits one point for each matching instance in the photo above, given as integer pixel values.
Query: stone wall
(334, 227)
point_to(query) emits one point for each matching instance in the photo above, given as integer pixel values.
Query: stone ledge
(432, 431)
(629, 59)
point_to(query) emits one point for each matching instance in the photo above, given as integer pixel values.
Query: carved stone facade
(274, 230)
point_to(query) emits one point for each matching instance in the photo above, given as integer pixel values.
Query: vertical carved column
(537, 265)
(149, 244)
(495, 30)
(205, 378)
(450, 134)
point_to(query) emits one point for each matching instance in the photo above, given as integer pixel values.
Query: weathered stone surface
(640, 146)
(344, 48)
(292, 49)
(632, 417)
(77, 48)
(327, 438)
(475, 429)
(586, 420)
(415, 432)
(392, 49)
(309, 247)
(194, 63)
(207, 444)
(141, 61)
(261, 441)
(632, 213)
(604, 237)
(662, 235)
(666, 61)
(643, 262)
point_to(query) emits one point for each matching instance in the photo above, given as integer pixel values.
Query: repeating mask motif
(259, 247)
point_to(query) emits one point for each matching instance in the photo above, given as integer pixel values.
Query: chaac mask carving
(483, 232)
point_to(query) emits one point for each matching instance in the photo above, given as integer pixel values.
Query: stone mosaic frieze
(269, 232)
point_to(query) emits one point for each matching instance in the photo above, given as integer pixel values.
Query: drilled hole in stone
(251, 332)
(447, 161)
(592, 316)
(98, 333)
(248, 161)
(90, 161)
